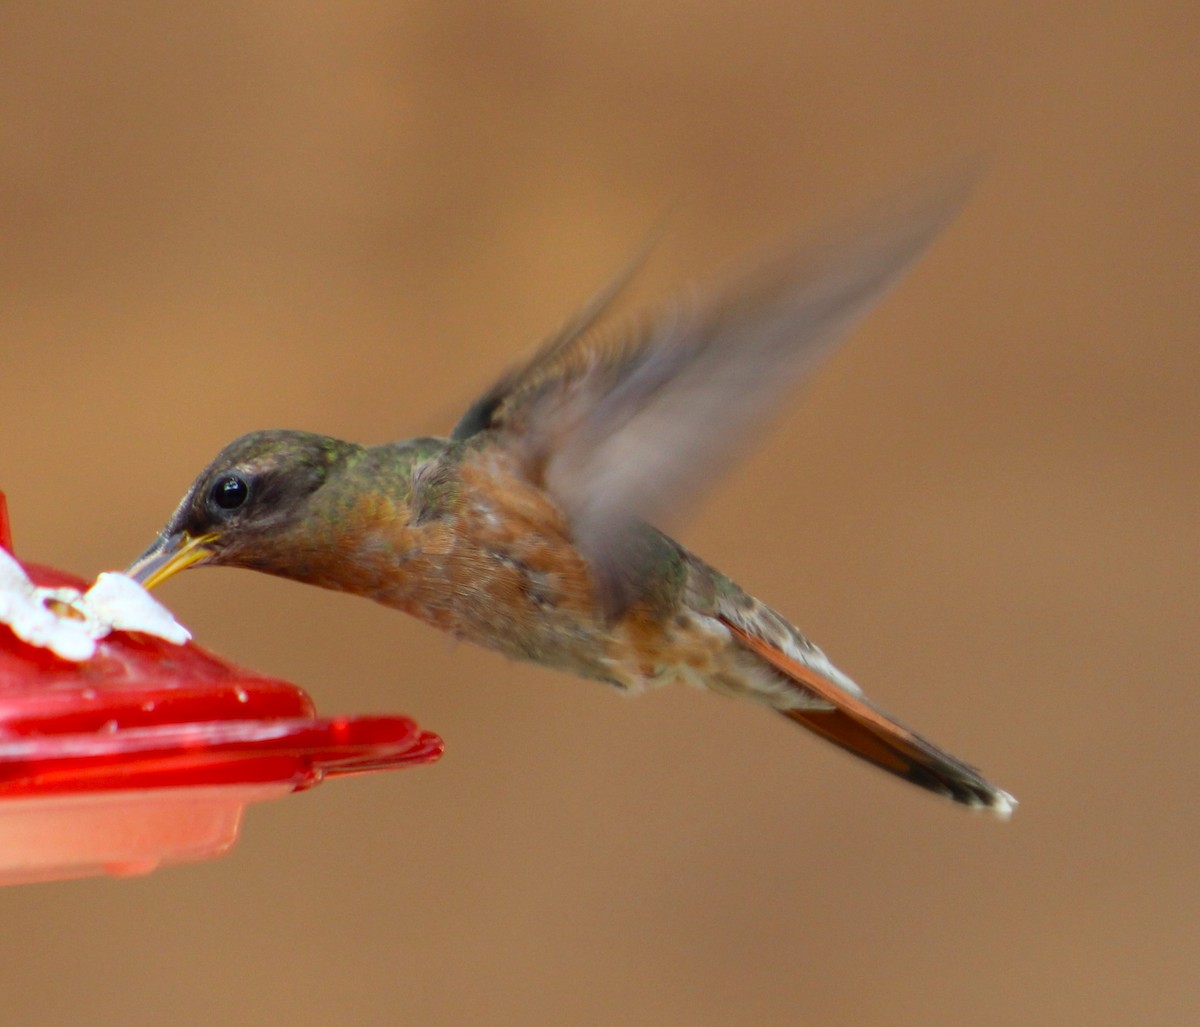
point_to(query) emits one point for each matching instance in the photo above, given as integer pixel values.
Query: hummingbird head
(251, 507)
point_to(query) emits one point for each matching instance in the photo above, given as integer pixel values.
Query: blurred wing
(502, 402)
(623, 429)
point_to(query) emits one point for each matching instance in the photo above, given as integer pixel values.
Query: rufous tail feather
(860, 727)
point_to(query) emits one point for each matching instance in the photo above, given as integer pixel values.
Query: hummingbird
(530, 528)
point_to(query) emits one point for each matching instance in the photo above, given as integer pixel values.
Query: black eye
(229, 492)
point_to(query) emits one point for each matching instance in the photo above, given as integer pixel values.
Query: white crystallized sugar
(69, 622)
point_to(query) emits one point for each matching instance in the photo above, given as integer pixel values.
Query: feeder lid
(124, 746)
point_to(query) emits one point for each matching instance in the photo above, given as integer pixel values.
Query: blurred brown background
(348, 217)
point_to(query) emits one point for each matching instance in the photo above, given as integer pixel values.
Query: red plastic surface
(158, 732)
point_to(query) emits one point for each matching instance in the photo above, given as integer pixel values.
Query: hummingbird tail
(909, 756)
(860, 727)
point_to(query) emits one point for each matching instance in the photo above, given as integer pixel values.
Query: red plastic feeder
(147, 752)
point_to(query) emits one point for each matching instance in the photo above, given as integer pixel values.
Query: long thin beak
(168, 556)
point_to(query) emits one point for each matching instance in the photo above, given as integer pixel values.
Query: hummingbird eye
(229, 492)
